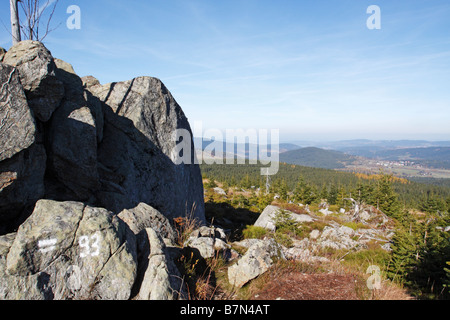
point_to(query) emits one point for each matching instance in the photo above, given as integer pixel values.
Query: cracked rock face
(67, 250)
(22, 162)
(258, 259)
(17, 126)
(161, 278)
(37, 74)
(99, 150)
(141, 119)
(71, 139)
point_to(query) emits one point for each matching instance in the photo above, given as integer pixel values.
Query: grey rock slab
(37, 75)
(17, 127)
(267, 218)
(67, 250)
(73, 149)
(144, 216)
(257, 260)
(21, 184)
(141, 121)
(161, 280)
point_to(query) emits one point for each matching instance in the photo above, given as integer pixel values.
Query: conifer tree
(324, 193)
(333, 195)
(433, 204)
(387, 199)
(404, 256)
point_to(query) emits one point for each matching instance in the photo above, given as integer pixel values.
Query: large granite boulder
(136, 153)
(267, 218)
(98, 154)
(2, 53)
(37, 74)
(257, 260)
(17, 127)
(22, 161)
(111, 146)
(67, 250)
(144, 216)
(158, 278)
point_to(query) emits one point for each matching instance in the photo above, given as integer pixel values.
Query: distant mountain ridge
(426, 153)
(317, 158)
(342, 145)
(339, 154)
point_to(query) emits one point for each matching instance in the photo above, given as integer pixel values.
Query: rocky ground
(308, 264)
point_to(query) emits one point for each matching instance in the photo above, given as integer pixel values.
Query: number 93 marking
(90, 246)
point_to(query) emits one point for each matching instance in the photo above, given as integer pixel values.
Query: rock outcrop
(37, 71)
(71, 139)
(67, 250)
(267, 219)
(259, 257)
(2, 53)
(136, 153)
(161, 279)
(22, 160)
(89, 182)
(336, 236)
(210, 240)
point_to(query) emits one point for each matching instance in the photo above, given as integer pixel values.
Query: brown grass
(289, 280)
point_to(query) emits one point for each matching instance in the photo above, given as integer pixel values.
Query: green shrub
(356, 225)
(253, 232)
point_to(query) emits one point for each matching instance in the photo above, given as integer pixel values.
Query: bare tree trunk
(33, 13)
(15, 26)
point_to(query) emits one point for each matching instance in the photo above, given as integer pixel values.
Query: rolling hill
(431, 153)
(317, 158)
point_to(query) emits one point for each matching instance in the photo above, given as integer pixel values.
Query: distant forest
(412, 194)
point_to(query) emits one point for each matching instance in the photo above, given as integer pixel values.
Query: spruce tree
(333, 195)
(387, 199)
(404, 255)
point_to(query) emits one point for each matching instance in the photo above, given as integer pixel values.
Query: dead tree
(36, 25)
(356, 206)
(15, 25)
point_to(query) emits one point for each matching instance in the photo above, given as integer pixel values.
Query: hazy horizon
(312, 69)
(296, 141)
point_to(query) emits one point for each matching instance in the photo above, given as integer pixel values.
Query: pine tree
(448, 204)
(324, 193)
(433, 204)
(387, 199)
(342, 195)
(404, 255)
(333, 195)
(431, 273)
(283, 190)
(300, 185)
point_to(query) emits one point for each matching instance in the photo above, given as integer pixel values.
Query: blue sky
(309, 68)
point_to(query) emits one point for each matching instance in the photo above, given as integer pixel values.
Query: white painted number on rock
(90, 246)
(47, 245)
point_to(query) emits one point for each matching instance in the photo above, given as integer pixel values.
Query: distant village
(404, 168)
